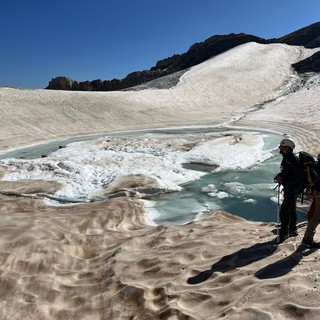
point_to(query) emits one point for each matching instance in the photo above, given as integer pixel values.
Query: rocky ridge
(308, 37)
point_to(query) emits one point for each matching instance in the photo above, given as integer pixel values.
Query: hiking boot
(293, 233)
(311, 244)
(282, 237)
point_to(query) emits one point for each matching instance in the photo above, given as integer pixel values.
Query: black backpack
(309, 173)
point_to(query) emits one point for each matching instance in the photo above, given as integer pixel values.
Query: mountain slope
(308, 37)
(217, 91)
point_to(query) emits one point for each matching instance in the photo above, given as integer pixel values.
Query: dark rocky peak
(308, 37)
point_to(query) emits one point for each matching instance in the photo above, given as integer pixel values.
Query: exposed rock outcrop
(311, 64)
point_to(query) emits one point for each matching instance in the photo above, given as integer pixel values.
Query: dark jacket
(290, 174)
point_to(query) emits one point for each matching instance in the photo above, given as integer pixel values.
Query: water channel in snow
(225, 168)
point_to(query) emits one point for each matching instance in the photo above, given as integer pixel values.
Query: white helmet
(287, 143)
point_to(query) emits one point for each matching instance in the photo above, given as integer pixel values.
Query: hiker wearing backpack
(289, 178)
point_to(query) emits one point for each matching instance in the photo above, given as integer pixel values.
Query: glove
(278, 178)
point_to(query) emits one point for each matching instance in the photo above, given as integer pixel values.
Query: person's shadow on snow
(237, 259)
(284, 266)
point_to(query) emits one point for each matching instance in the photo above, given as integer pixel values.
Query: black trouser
(288, 215)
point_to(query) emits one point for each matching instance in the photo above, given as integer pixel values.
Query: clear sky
(106, 39)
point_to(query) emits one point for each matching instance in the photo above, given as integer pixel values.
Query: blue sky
(106, 39)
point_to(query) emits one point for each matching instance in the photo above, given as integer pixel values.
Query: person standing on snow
(312, 224)
(314, 220)
(290, 179)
